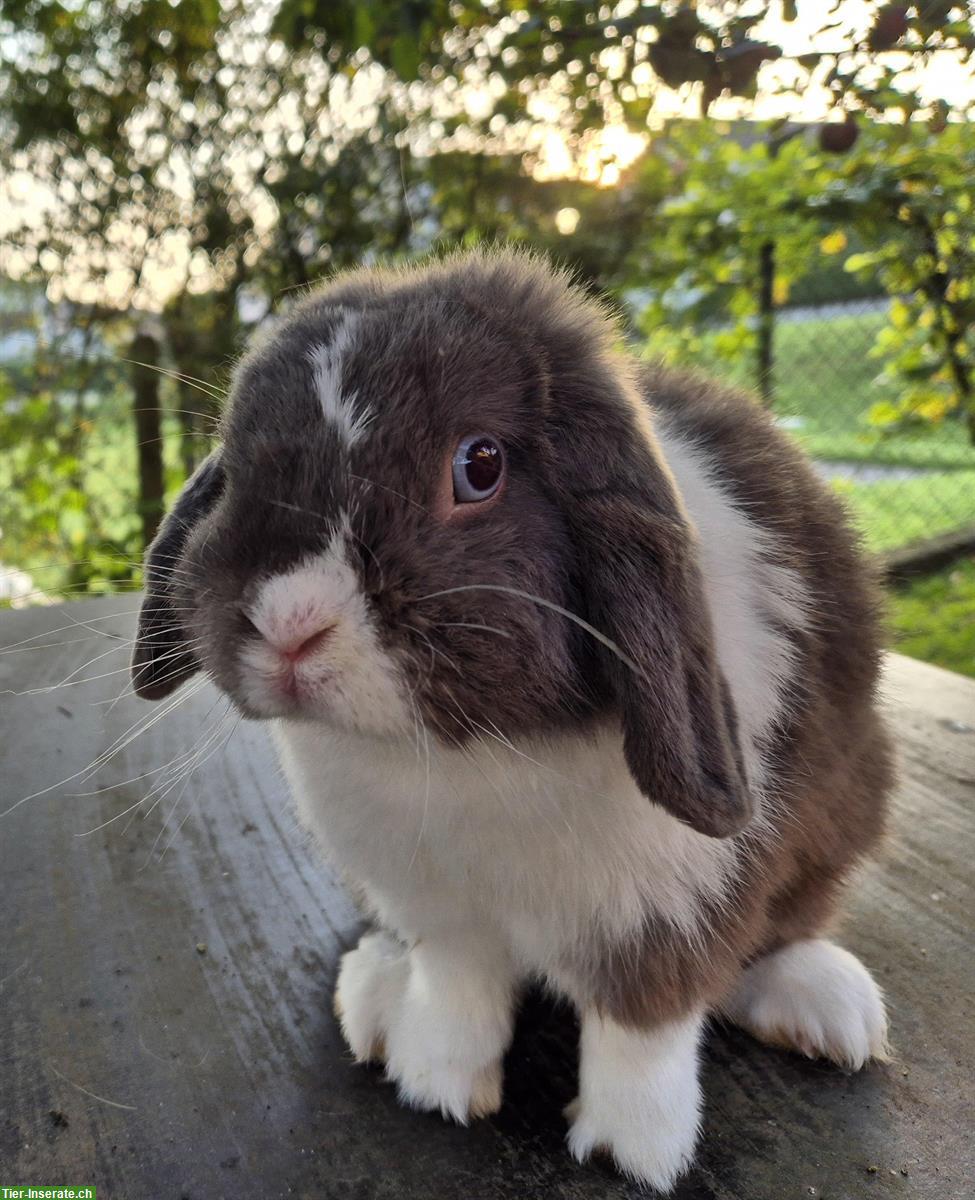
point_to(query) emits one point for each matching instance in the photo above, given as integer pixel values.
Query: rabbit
(571, 664)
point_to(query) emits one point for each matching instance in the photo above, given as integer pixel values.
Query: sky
(944, 78)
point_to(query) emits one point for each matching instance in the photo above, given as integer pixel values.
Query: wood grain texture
(166, 1029)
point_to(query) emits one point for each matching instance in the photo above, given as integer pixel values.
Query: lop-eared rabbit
(571, 663)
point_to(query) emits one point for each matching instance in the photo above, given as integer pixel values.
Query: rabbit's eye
(478, 468)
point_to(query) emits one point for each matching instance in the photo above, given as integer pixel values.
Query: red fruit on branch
(889, 27)
(836, 137)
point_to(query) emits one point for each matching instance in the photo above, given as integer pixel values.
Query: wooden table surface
(166, 1030)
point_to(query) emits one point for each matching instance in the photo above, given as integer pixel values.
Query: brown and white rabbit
(571, 662)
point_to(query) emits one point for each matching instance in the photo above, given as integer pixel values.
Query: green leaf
(405, 57)
(860, 262)
(365, 26)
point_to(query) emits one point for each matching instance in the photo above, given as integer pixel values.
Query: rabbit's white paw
(814, 997)
(433, 1079)
(370, 988)
(446, 1041)
(639, 1098)
(440, 1021)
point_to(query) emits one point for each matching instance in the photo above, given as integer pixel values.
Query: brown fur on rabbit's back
(831, 756)
(834, 721)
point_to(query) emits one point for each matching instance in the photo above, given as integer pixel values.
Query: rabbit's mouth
(311, 651)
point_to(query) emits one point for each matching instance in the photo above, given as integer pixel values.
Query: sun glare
(597, 157)
(566, 220)
(615, 148)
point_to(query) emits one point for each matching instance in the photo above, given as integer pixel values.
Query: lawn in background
(896, 512)
(934, 618)
(827, 381)
(826, 384)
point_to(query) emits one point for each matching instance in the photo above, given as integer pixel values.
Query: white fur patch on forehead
(339, 407)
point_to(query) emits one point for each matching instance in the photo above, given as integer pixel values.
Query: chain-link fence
(821, 374)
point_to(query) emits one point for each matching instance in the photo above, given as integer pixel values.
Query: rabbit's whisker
(392, 491)
(208, 389)
(116, 748)
(549, 604)
(213, 745)
(471, 625)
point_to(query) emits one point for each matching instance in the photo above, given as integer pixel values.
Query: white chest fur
(544, 843)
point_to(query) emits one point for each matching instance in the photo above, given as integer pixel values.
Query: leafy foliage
(911, 196)
(67, 480)
(607, 61)
(704, 260)
(175, 170)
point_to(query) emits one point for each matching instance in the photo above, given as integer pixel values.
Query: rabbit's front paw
(814, 997)
(445, 1043)
(370, 989)
(643, 1146)
(445, 1079)
(440, 1022)
(639, 1098)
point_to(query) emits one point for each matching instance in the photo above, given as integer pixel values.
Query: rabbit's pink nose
(304, 644)
(294, 636)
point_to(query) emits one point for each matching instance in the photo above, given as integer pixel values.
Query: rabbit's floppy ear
(161, 659)
(643, 589)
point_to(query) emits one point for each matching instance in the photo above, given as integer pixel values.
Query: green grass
(826, 383)
(827, 378)
(896, 512)
(934, 618)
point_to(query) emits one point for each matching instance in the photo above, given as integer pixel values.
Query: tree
(109, 111)
(726, 240)
(601, 63)
(582, 66)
